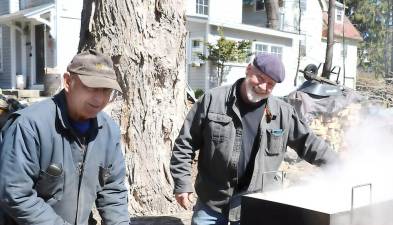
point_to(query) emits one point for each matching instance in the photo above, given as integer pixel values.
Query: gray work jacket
(214, 126)
(40, 136)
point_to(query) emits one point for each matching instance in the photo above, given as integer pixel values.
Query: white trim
(197, 18)
(13, 6)
(236, 64)
(255, 29)
(30, 13)
(41, 20)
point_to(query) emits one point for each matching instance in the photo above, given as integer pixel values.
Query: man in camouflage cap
(62, 155)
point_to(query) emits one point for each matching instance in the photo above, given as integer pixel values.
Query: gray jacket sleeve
(112, 201)
(189, 140)
(307, 145)
(19, 168)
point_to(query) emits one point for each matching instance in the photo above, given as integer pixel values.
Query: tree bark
(272, 8)
(330, 40)
(146, 40)
(390, 27)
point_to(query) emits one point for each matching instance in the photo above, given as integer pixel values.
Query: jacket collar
(62, 112)
(271, 109)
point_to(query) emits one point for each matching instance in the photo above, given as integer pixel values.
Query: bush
(198, 93)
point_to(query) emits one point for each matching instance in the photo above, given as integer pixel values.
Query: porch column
(32, 58)
(23, 54)
(13, 56)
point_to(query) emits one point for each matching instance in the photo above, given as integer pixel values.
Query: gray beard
(252, 96)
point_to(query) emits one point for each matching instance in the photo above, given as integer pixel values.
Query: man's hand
(184, 199)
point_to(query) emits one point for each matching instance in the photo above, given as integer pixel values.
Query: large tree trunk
(330, 40)
(146, 39)
(390, 27)
(272, 8)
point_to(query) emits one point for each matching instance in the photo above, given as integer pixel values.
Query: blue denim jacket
(41, 136)
(213, 126)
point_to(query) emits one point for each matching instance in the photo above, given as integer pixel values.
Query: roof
(350, 32)
(27, 13)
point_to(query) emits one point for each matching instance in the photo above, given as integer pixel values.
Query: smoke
(366, 167)
(368, 155)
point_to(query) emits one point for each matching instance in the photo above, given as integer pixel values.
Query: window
(259, 5)
(202, 7)
(1, 49)
(260, 48)
(339, 14)
(276, 50)
(265, 48)
(196, 50)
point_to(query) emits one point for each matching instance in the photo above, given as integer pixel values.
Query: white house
(346, 38)
(37, 37)
(246, 20)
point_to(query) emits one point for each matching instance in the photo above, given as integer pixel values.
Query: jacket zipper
(80, 171)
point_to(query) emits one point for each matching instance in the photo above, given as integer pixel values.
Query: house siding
(4, 7)
(350, 62)
(5, 76)
(196, 75)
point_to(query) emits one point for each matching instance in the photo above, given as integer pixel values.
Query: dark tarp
(310, 106)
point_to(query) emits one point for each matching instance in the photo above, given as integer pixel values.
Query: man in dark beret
(241, 132)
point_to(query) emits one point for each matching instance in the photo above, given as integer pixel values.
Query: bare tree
(272, 8)
(330, 40)
(146, 39)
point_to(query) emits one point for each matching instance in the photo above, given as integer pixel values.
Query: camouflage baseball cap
(94, 69)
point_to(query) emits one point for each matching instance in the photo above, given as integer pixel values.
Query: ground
(183, 218)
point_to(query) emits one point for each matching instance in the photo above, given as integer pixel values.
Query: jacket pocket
(103, 175)
(220, 126)
(50, 186)
(274, 142)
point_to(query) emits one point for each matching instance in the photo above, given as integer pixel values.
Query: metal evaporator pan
(278, 209)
